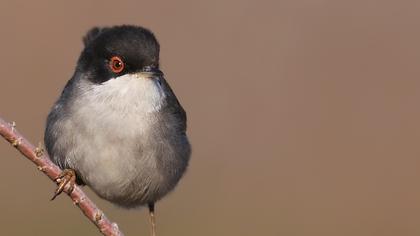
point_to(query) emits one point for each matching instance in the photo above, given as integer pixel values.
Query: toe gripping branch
(65, 178)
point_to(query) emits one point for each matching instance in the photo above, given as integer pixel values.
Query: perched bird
(118, 126)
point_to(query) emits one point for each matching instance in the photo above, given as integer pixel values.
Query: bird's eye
(116, 64)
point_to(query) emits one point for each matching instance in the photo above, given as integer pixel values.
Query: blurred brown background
(303, 115)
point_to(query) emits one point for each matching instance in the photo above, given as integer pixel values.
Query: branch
(41, 159)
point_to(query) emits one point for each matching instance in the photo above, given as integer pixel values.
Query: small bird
(117, 126)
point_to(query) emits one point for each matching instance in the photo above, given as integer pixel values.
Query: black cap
(136, 46)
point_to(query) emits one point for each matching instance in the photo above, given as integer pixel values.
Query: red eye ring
(116, 64)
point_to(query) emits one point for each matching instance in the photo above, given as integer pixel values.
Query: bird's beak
(149, 73)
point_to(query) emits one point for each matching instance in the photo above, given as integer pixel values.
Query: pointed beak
(150, 72)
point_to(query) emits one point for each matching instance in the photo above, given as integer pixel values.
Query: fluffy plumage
(123, 133)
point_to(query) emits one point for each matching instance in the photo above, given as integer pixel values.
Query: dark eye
(116, 64)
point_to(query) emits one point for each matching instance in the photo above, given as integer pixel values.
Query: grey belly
(121, 175)
(125, 166)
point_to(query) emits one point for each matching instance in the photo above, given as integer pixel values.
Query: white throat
(128, 93)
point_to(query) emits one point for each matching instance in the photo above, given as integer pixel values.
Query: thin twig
(41, 159)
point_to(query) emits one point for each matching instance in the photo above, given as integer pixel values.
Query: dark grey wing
(174, 107)
(52, 132)
(53, 129)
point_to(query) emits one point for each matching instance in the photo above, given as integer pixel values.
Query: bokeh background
(303, 115)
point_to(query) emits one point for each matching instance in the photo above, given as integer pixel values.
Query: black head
(115, 51)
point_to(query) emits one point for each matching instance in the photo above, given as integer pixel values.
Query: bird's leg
(152, 217)
(67, 176)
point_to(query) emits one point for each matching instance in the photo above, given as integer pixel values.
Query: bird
(117, 126)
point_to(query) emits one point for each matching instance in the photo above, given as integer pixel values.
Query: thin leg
(68, 176)
(152, 218)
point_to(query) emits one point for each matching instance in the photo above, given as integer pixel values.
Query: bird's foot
(152, 218)
(66, 178)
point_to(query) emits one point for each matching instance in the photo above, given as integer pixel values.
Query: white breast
(109, 121)
(130, 93)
